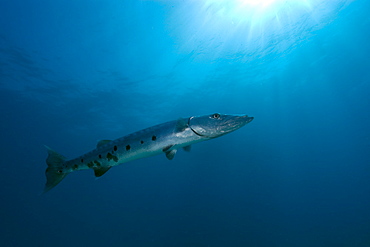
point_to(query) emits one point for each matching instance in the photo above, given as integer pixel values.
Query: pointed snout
(246, 119)
(249, 119)
(238, 121)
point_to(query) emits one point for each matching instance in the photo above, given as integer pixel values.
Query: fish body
(164, 138)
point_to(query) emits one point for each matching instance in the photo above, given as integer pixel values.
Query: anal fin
(100, 171)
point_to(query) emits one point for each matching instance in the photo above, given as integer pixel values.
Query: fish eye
(216, 116)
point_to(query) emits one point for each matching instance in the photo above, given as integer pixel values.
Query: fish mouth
(240, 121)
(234, 123)
(216, 128)
(248, 119)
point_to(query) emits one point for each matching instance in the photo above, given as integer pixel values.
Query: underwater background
(76, 72)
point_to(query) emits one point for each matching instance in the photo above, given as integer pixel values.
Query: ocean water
(76, 72)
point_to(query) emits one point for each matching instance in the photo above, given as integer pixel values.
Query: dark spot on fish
(99, 156)
(128, 147)
(60, 171)
(112, 157)
(115, 148)
(142, 142)
(90, 164)
(75, 167)
(97, 163)
(82, 160)
(109, 156)
(154, 138)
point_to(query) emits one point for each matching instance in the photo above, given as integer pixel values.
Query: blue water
(75, 72)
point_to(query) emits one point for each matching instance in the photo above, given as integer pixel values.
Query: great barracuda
(163, 138)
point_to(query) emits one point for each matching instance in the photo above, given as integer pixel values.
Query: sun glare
(262, 3)
(246, 27)
(254, 11)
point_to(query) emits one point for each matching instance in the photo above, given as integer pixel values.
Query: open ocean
(76, 72)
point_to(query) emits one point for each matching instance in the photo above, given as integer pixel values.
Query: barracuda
(164, 138)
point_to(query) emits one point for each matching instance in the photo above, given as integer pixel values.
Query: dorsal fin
(102, 142)
(100, 171)
(181, 124)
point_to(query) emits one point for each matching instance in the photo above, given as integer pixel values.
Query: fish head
(215, 125)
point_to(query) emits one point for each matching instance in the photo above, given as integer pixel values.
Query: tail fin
(55, 172)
